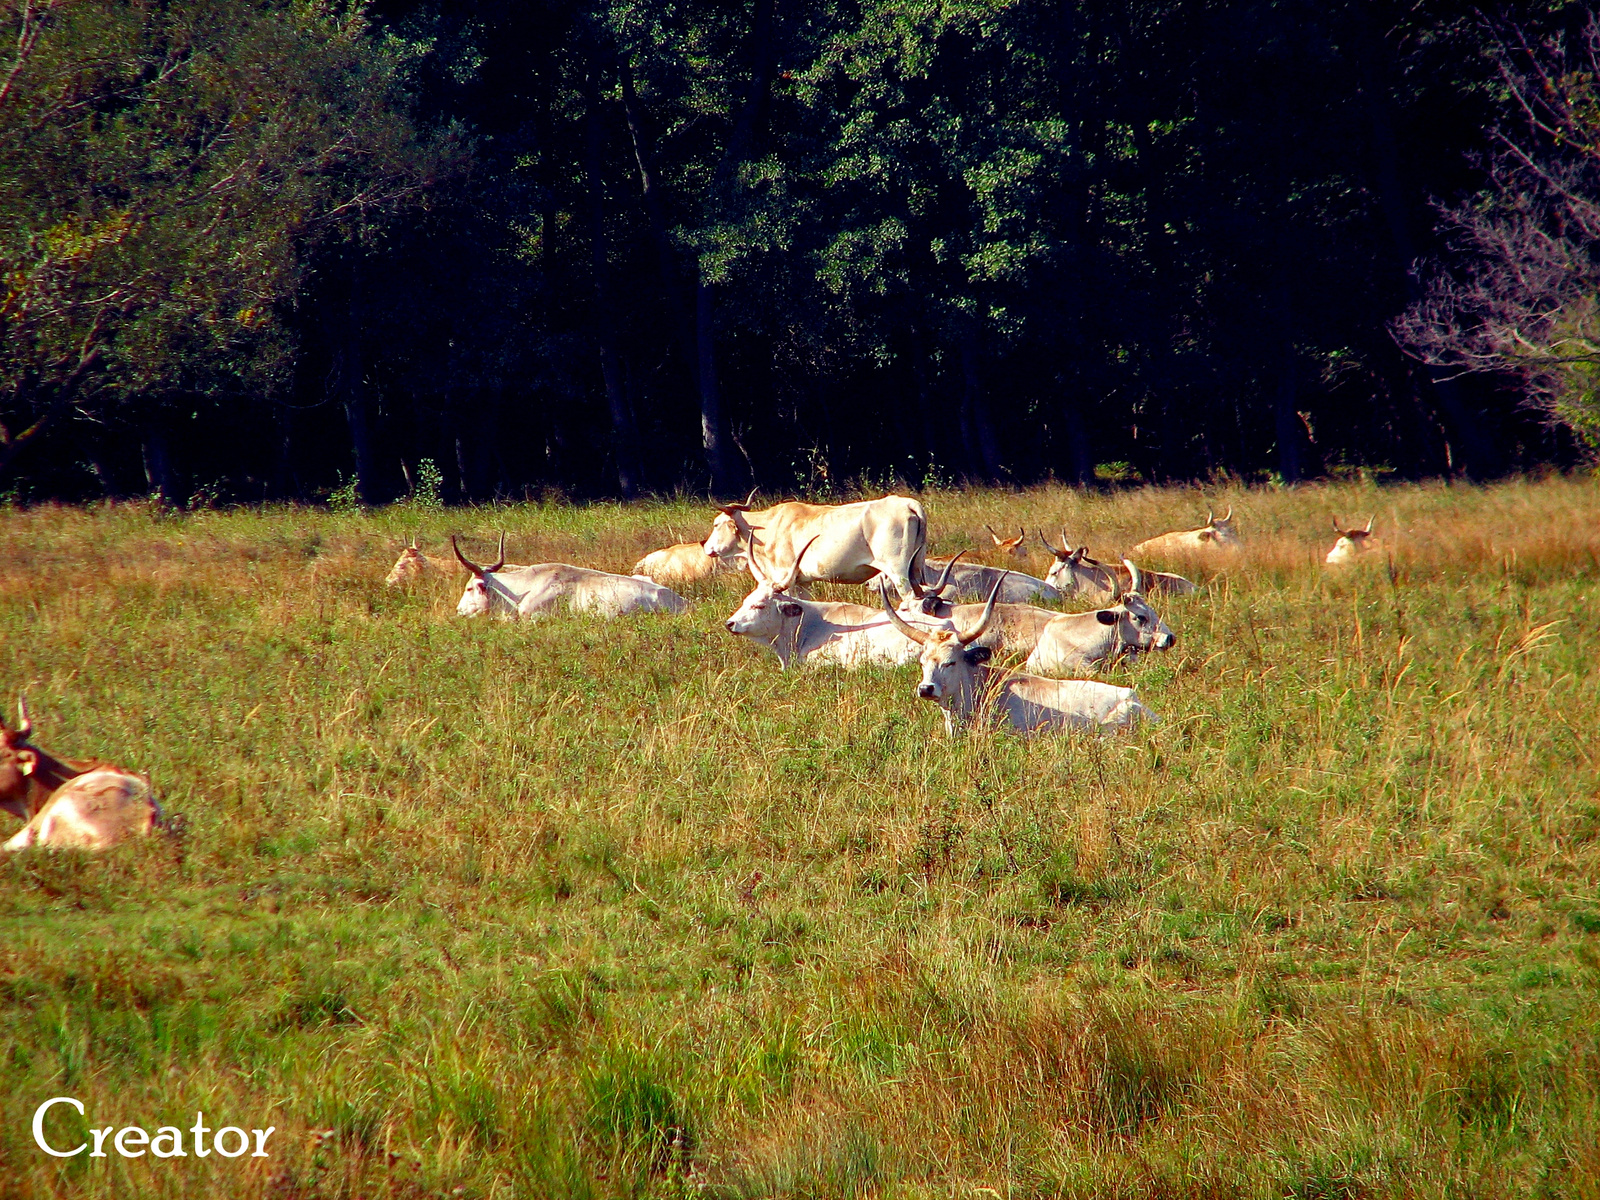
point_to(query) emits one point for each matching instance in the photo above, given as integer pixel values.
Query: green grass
(618, 909)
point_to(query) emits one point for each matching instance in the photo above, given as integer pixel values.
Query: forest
(255, 250)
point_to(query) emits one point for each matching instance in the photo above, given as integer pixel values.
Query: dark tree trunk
(352, 385)
(713, 433)
(158, 474)
(1286, 395)
(624, 438)
(977, 431)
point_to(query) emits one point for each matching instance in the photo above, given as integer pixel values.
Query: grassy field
(592, 909)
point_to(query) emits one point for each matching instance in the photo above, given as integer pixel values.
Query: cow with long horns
(1074, 642)
(852, 542)
(1352, 543)
(818, 632)
(957, 677)
(86, 805)
(974, 581)
(1074, 573)
(1217, 534)
(1010, 545)
(534, 591)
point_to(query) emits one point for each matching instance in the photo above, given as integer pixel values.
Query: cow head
(766, 611)
(930, 602)
(18, 762)
(1009, 545)
(479, 596)
(730, 530)
(1351, 543)
(1217, 530)
(1138, 626)
(1074, 572)
(953, 670)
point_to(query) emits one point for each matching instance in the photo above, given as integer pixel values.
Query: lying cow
(973, 581)
(1352, 543)
(1216, 534)
(685, 563)
(1013, 630)
(529, 592)
(1074, 573)
(844, 543)
(957, 677)
(79, 805)
(821, 632)
(1074, 642)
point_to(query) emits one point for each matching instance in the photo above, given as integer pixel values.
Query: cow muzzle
(927, 691)
(1166, 641)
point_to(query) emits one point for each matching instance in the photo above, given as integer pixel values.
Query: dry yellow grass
(581, 909)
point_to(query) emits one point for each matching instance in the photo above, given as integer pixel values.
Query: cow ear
(977, 655)
(789, 608)
(1206, 535)
(1106, 617)
(27, 761)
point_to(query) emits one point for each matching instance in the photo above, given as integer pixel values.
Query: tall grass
(618, 909)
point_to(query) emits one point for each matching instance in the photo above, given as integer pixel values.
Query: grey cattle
(1074, 642)
(534, 591)
(957, 677)
(1217, 534)
(1352, 543)
(1074, 573)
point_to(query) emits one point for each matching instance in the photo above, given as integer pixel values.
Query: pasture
(600, 909)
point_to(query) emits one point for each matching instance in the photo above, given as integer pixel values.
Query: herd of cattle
(949, 616)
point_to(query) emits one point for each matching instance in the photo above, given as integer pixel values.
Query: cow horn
(988, 614)
(1211, 517)
(794, 570)
(1116, 585)
(944, 577)
(1370, 520)
(1061, 554)
(501, 560)
(1135, 579)
(1336, 528)
(24, 722)
(998, 540)
(911, 631)
(1229, 517)
(465, 561)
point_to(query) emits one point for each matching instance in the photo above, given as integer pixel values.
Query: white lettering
(100, 1136)
(244, 1141)
(261, 1140)
(131, 1133)
(174, 1139)
(200, 1132)
(38, 1126)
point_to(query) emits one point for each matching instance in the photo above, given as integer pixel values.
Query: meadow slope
(595, 909)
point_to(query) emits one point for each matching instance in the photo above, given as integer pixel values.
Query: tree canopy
(255, 248)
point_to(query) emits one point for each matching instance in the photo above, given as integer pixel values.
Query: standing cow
(843, 543)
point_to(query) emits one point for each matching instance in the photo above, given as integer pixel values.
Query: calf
(957, 677)
(86, 805)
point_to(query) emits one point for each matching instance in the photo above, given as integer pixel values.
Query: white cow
(1352, 543)
(530, 592)
(810, 631)
(1074, 642)
(957, 677)
(1074, 573)
(844, 543)
(1217, 534)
